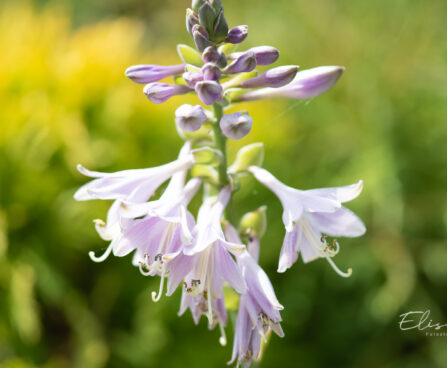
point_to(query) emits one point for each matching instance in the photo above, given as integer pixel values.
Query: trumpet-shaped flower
(212, 263)
(309, 215)
(306, 84)
(132, 185)
(258, 308)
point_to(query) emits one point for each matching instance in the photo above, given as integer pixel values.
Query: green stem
(220, 142)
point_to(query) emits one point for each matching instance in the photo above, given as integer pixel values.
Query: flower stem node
(250, 155)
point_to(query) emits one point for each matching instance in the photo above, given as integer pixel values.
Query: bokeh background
(64, 100)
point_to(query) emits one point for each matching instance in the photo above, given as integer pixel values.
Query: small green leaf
(251, 155)
(189, 55)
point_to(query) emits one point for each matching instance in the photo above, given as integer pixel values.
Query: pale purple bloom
(209, 257)
(245, 62)
(276, 77)
(237, 34)
(264, 55)
(136, 185)
(209, 91)
(237, 125)
(308, 214)
(190, 118)
(211, 72)
(192, 78)
(159, 231)
(307, 84)
(152, 73)
(161, 92)
(258, 308)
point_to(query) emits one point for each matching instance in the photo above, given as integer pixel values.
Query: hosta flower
(161, 92)
(152, 73)
(190, 118)
(136, 185)
(158, 231)
(264, 55)
(307, 84)
(276, 77)
(309, 215)
(236, 126)
(213, 263)
(258, 308)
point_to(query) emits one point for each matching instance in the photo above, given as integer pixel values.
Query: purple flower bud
(237, 34)
(245, 62)
(201, 37)
(160, 92)
(151, 73)
(209, 91)
(307, 84)
(276, 77)
(191, 20)
(190, 118)
(211, 72)
(191, 78)
(210, 55)
(265, 55)
(207, 16)
(236, 126)
(220, 30)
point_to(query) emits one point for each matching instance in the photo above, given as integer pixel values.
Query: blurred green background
(64, 100)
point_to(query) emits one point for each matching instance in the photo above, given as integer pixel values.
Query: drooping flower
(236, 126)
(258, 307)
(136, 185)
(211, 252)
(190, 118)
(307, 84)
(158, 231)
(309, 215)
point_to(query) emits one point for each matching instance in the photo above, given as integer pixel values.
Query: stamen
(102, 258)
(223, 336)
(210, 308)
(336, 269)
(141, 267)
(156, 297)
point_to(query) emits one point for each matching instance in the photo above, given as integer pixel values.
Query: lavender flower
(161, 92)
(307, 84)
(163, 235)
(245, 62)
(258, 308)
(309, 214)
(237, 34)
(209, 91)
(152, 73)
(211, 72)
(190, 118)
(236, 126)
